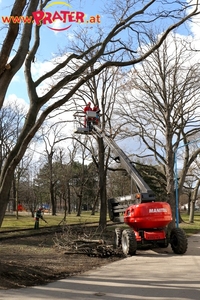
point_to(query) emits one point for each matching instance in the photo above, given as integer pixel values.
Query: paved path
(150, 275)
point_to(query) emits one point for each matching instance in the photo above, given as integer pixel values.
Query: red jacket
(87, 108)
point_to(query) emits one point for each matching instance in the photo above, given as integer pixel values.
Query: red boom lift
(147, 218)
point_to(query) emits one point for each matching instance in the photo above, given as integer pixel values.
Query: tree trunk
(189, 203)
(52, 198)
(65, 208)
(17, 61)
(79, 205)
(192, 208)
(68, 198)
(170, 175)
(14, 194)
(4, 199)
(95, 204)
(192, 202)
(102, 185)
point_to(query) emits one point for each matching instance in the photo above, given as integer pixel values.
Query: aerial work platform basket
(83, 122)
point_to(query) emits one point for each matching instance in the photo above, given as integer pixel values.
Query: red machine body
(148, 215)
(151, 218)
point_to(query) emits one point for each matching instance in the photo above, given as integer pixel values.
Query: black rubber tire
(178, 241)
(117, 237)
(129, 242)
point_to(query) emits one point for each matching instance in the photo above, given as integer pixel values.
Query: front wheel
(178, 241)
(129, 242)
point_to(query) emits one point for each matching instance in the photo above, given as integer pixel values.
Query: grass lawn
(190, 228)
(26, 221)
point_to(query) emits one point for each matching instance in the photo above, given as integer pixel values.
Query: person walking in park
(38, 216)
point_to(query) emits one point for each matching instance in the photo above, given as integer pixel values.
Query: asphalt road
(150, 275)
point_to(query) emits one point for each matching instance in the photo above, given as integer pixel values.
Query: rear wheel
(178, 241)
(117, 237)
(129, 242)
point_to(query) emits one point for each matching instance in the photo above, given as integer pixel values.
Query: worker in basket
(87, 108)
(97, 110)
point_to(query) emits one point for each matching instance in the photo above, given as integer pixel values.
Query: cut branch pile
(77, 242)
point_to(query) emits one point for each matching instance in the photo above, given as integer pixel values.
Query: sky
(53, 41)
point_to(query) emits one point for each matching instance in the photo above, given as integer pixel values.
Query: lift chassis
(146, 217)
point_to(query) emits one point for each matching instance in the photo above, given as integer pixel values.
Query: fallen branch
(89, 241)
(98, 251)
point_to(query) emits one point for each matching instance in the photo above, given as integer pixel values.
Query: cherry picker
(146, 217)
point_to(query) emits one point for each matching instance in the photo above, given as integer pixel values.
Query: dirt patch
(38, 260)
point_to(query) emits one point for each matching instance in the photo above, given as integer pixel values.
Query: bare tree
(11, 120)
(130, 22)
(52, 137)
(25, 189)
(64, 179)
(162, 108)
(102, 91)
(192, 183)
(22, 174)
